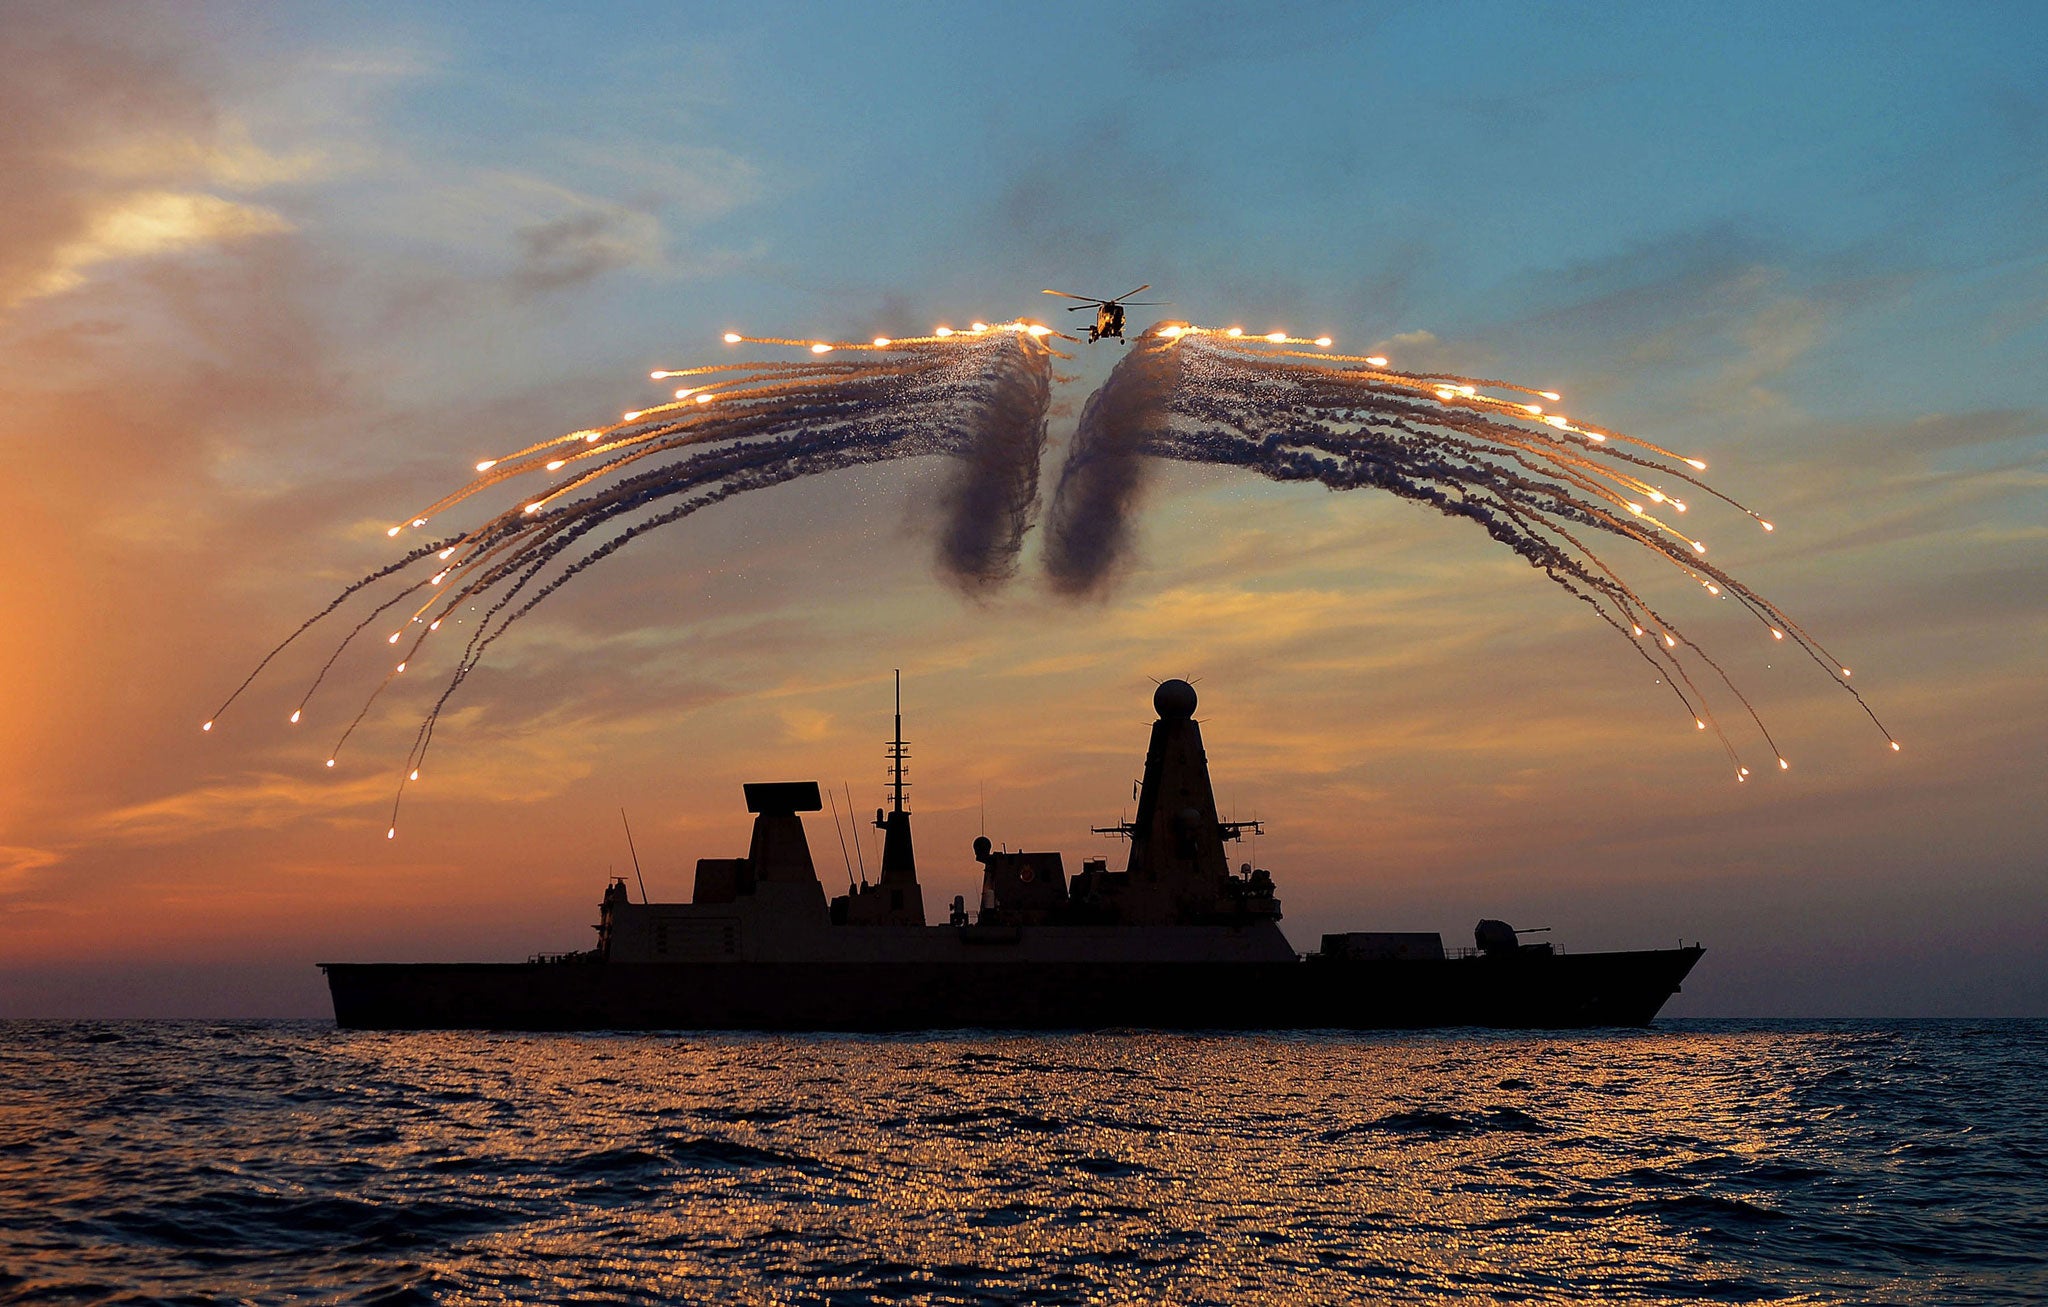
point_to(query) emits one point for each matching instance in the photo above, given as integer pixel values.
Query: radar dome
(1174, 700)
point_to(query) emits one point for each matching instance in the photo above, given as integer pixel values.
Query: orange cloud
(96, 179)
(140, 225)
(19, 862)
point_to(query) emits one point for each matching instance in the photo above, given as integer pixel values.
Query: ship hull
(1526, 990)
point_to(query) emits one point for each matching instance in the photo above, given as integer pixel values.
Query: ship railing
(540, 959)
(1449, 953)
(1477, 953)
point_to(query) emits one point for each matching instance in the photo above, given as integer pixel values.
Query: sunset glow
(291, 302)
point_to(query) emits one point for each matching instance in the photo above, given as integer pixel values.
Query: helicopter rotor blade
(1127, 294)
(1063, 295)
(1147, 303)
(1091, 304)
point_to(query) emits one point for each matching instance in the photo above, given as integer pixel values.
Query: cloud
(1133, 197)
(18, 862)
(573, 249)
(261, 802)
(696, 183)
(532, 755)
(1773, 336)
(1948, 484)
(96, 178)
(1933, 433)
(227, 156)
(805, 725)
(492, 233)
(1419, 350)
(1719, 313)
(166, 368)
(142, 224)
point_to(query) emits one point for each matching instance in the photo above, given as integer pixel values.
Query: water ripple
(1848, 1162)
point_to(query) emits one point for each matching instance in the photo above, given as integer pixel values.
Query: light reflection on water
(1850, 1161)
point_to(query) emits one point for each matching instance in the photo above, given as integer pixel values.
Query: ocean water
(1700, 1161)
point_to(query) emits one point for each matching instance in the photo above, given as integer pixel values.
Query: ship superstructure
(1175, 939)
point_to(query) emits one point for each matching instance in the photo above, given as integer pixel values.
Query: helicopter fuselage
(1109, 314)
(1109, 321)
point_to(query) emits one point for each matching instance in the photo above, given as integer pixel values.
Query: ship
(1174, 940)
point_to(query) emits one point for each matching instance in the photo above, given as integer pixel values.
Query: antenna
(635, 852)
(856, 838)
(842, 835)
(897, 753)
(984, 808)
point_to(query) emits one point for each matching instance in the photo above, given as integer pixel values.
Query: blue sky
(1544, 185)
(1382, 167)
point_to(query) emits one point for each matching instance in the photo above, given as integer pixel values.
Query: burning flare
(980, 397)
(1543, 484)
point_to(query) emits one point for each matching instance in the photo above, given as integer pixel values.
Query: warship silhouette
(1175, 940)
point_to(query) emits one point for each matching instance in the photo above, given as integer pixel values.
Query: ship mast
(897, 753)
(899, 863)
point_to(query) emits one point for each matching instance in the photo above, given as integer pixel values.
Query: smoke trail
(992, 496)
(979, 396)
(1539, 483)
(1087, 532)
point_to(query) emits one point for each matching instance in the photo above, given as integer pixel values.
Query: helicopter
(1109, 314)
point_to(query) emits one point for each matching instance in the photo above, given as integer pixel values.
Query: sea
(1696, 1161)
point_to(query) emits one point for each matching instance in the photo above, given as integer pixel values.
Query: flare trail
(1544, 485)
(978, 395)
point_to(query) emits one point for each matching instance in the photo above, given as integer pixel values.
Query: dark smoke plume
(1088, 532)
(992, 496)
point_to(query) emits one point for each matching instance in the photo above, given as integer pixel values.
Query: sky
(272, 274)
